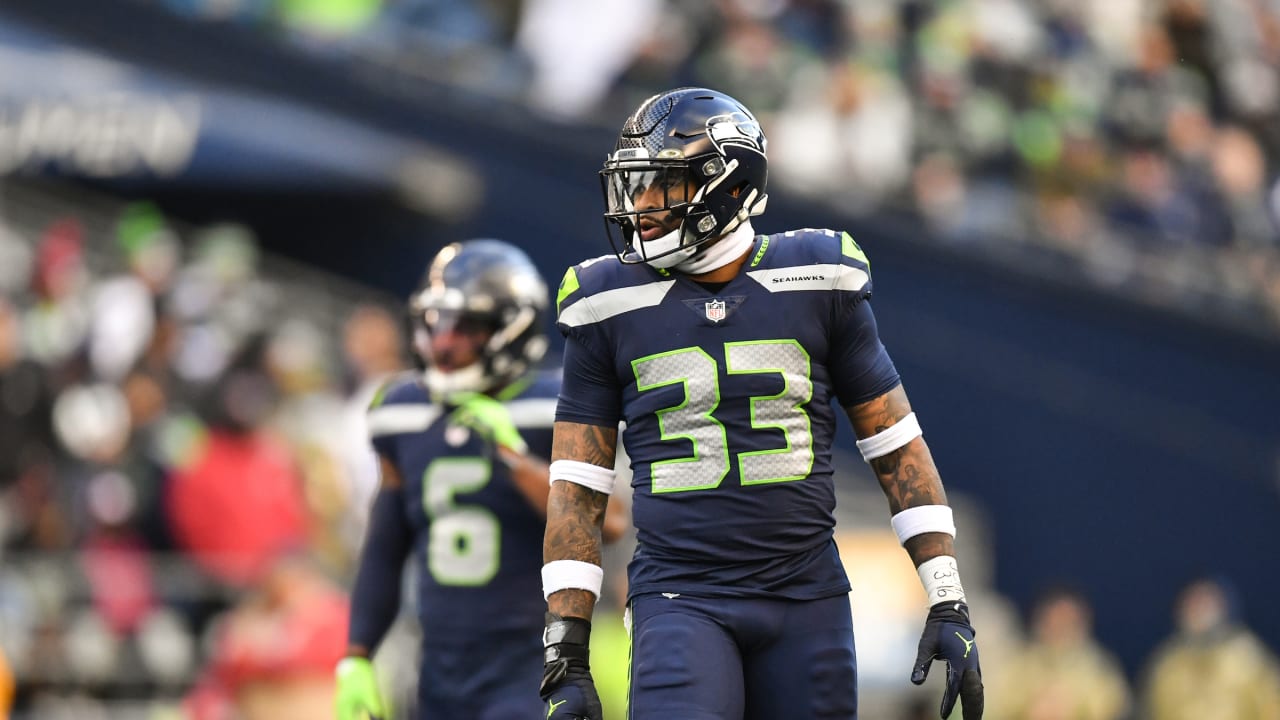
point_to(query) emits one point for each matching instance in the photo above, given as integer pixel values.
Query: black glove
(567, 687)
(948, 636)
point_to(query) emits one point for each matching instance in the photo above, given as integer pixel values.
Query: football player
(462, 450)
(738, 599)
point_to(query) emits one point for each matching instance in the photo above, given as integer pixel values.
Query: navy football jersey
(478, 541)
(727, 394)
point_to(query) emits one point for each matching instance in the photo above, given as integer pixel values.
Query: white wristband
(923, 519)
(571, 575)
(597, 478)
(891, 438)
(941, 580)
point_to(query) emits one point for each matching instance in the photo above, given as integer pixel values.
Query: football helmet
(689, 167)
(491, 291)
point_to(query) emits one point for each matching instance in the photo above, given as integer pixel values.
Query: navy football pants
(742, 659)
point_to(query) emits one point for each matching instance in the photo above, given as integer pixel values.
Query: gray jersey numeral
(464, 547)
(694, 418)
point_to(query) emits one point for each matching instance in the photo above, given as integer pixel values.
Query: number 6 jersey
(727, 393)
(477, 538)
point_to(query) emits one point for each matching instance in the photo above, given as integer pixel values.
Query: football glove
(357, 696)
(489, 417)
(948, 636)
(567, 687)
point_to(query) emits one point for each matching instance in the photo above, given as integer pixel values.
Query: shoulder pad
(400, 388)
(401, 405)
(811, 259)
(603, 287)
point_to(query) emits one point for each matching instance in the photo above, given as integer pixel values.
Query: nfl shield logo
(715, 310)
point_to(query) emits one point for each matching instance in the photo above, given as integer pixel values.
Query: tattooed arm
(907, 475)
(576, 514)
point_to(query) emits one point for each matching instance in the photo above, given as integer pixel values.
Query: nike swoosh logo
(968, 644)
(553, 705)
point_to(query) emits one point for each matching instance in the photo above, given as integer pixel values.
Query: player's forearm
(909, 479)
(530, 475)
(375, 595)
(906, 472)
(575, 518)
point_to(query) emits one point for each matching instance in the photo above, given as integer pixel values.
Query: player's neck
(724, 273)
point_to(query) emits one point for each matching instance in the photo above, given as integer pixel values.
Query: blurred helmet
(689, 139)
(488, 290)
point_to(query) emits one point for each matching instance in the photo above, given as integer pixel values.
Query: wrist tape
(941, 580)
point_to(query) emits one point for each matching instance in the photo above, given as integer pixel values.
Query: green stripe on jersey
(851, 249)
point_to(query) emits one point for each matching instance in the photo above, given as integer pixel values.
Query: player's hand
(948, 636)
(567, 687)
(357, 696)
(489, 417)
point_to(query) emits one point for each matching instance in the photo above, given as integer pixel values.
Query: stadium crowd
(184, 461)
(1132, 143)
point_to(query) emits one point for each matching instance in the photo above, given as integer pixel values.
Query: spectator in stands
(1063, 672)
(274, 652)
(373, 350)
(1212, 666)
(25, 403)
(237, 530)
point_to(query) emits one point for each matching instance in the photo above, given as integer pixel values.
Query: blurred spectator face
(144, 397)
(156, 261)
(1146, 175)
(60, 267)
(1202, 607)
(10, 334)
(846, 89)
(149, 244)
(245, 399)
(228, 251)
(371, 342)
(295, 357)
(1155, 51)
(1189, 130)
(1238, 163)
(1062, 621)
(1065, 218)
(939, 188)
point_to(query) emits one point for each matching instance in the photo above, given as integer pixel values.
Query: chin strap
(702, 258)
(444, 385)
(719, 253)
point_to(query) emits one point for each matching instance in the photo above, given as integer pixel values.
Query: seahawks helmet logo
(735, 128)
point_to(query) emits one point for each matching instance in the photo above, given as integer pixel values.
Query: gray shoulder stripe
(396, 419)
(811, 277)
(533, 413)
(609, 303)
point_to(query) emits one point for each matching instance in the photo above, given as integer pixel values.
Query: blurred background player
(738, 598)
(464, 484)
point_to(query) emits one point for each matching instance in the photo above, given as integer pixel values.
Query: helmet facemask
(491, 300)
(690, 162)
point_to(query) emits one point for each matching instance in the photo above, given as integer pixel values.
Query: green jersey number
(464, 545)
(694, 419)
